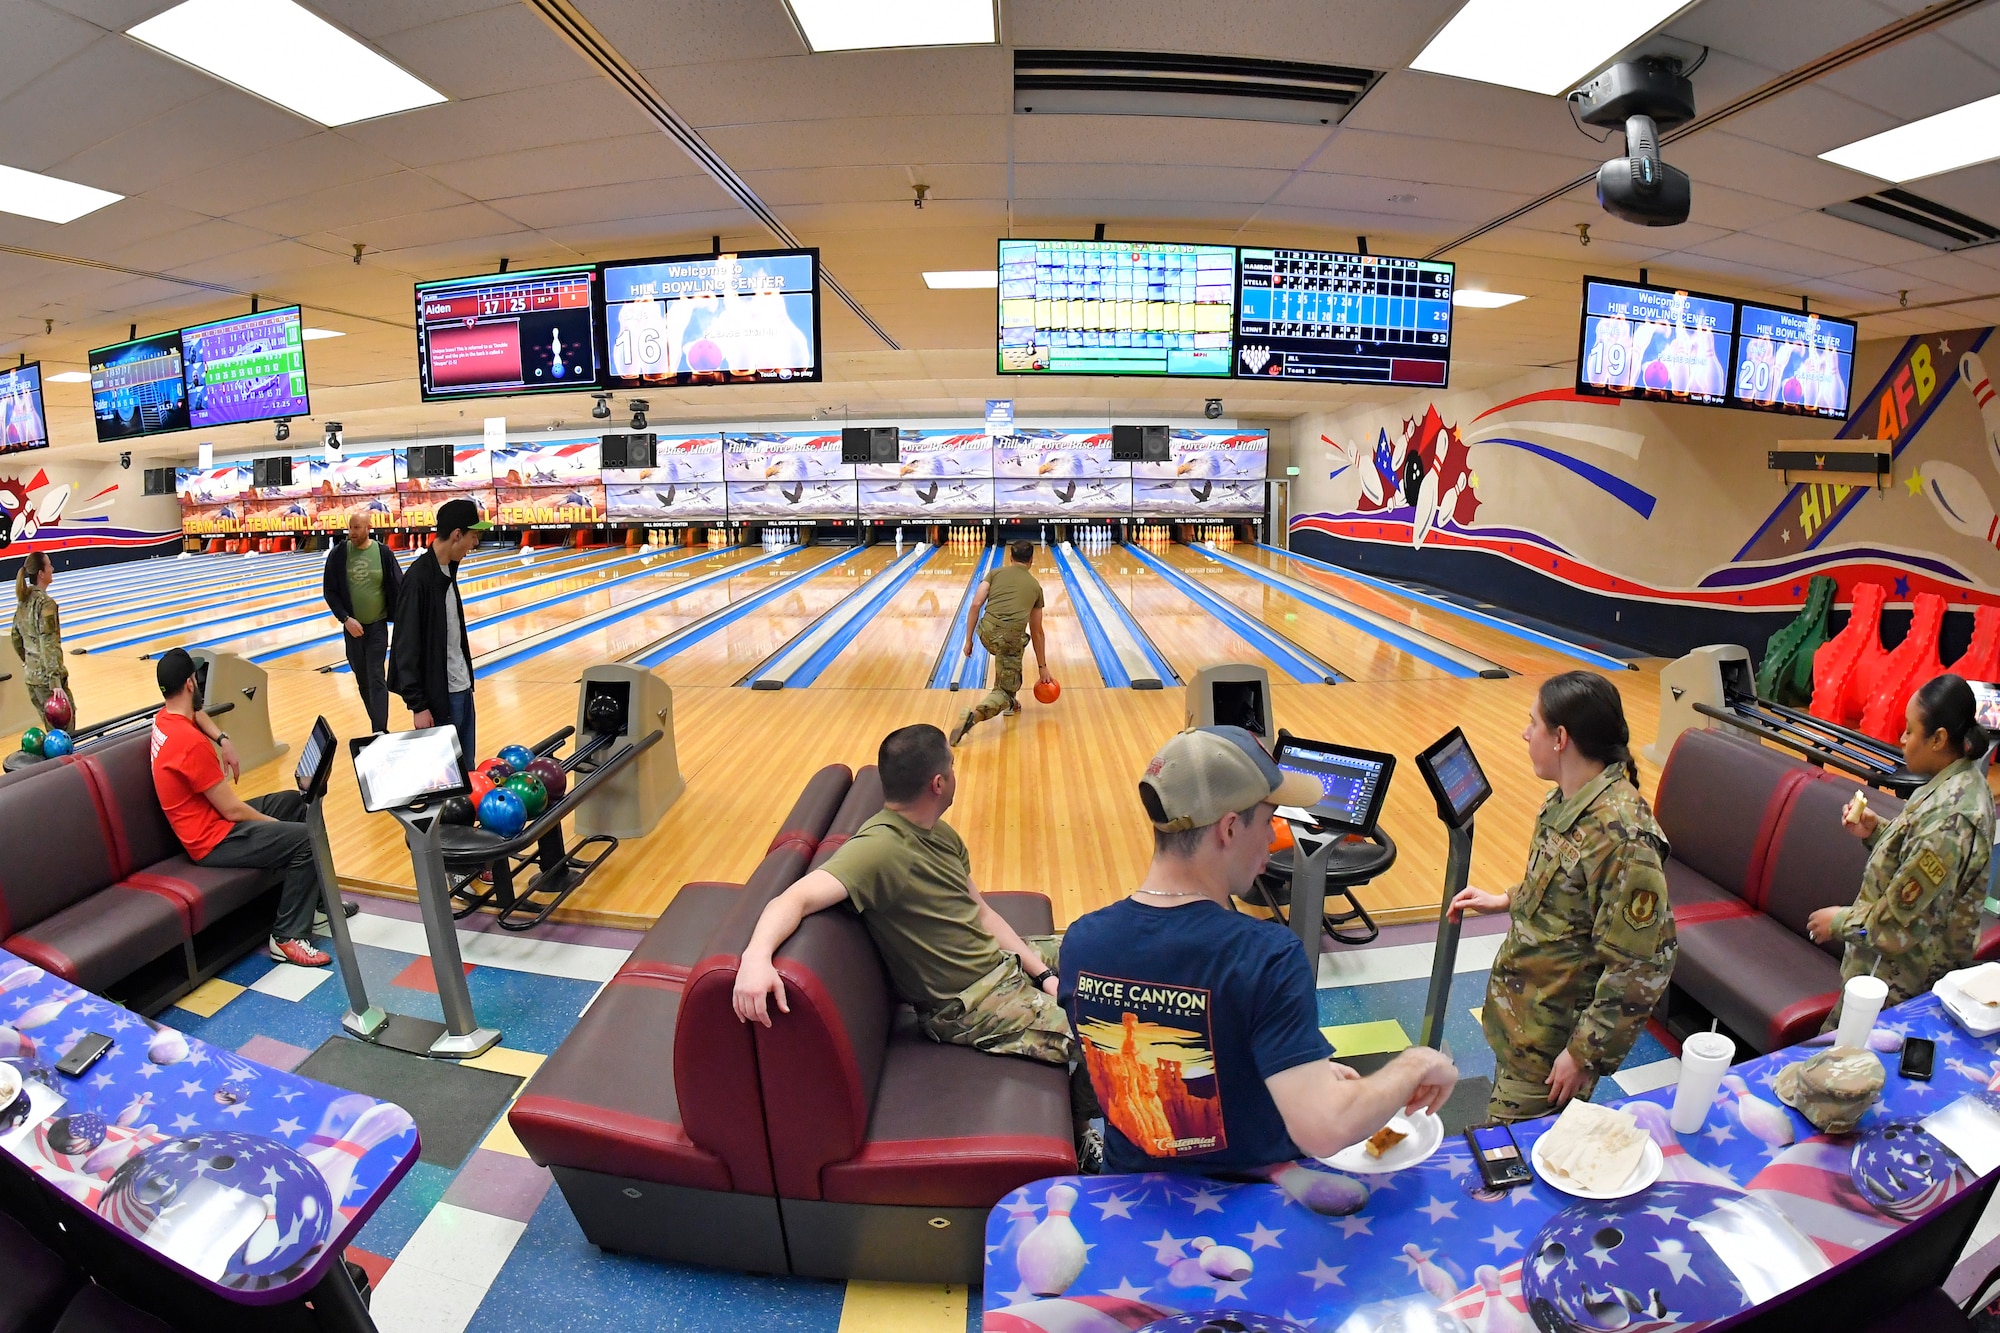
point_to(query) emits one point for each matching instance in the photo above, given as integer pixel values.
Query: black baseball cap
(176, 669)
(455, 514)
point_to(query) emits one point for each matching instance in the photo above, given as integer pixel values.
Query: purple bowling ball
(219, 1175)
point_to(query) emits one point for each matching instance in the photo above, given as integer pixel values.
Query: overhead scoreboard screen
(1116, 308)
(507, 333)
(251, 368)
(1792, 361)
(1656, 343)
(136, 388)
(750, 318)
(24, 422)
(1343, 318)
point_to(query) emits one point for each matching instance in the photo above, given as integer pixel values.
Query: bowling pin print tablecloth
(1750, 1206)
(246, 1177)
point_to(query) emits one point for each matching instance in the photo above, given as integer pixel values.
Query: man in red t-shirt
(220, 828)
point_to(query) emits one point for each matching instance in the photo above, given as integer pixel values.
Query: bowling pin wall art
(1960, 498)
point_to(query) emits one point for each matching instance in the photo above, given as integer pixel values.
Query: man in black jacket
(361, 582)
(431, 662)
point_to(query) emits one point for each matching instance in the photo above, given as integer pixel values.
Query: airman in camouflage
(1917, 915)
(37, 638)
(1591, 946)
(1006, 615)
(1004, 1013)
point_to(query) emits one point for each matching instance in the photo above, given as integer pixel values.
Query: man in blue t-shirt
(1199, 1024)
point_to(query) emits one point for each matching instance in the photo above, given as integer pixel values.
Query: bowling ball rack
(536, 870)
(109, 729)
(1818, 741)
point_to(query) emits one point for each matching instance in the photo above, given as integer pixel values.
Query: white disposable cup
(1705, 1058)
(1858, 1009)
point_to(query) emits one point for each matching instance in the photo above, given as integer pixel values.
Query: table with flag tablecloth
(1752, 1205)
(248, 1179)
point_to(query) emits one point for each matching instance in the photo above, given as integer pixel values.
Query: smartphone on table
(1918, 1054)
(1499, 1157)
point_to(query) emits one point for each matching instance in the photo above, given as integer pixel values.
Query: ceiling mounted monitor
(1116, 308)
(502, 334)
(24, 422)
(1343, 318)
(251, 368)
(136, 388)
(1792, 361)
(745, 318)
(1657, 343)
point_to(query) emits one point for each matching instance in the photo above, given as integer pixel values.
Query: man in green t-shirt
(1012, 600)
(360, 585)
(972, 980)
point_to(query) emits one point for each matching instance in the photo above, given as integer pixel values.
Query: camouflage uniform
(1591, 946)
(1917, 915)
(37, 636)
(1003, 1013)
(1006, 645)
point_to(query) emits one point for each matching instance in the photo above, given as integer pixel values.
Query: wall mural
(1661, 525)
(96, 512)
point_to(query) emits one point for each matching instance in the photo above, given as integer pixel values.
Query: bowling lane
(1070, 658)
(725, 657)
(1354, 653)
(1497, 645)
(1190, 637)
(895, 650)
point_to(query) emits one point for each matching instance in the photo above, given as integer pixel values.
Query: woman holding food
(1917, 915)
(1592, 943)
(37, 636)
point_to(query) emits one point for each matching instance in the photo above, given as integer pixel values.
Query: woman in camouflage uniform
(1592, 942)
(37, 632)
(1917, 915)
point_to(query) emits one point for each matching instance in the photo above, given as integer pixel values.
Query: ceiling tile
(646, 156)
(1332, 32)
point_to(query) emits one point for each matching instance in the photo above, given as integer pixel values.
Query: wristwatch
(1044, 975)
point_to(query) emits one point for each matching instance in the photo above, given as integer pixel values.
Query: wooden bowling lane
(1353, 652)
(1497, 645)
(1189, 636)
(1070, 658)
(896, 649)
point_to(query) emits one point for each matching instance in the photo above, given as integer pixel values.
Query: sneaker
(299, 953)
(347, 909)
(1090, 1151)
(1012, 710)
(964, 725)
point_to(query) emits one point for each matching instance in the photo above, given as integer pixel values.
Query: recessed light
(71, 377)
(1961, 137)
(285, 54)
(1483, 300)
(1544, 46)
(963, 277)
(864, 25)
(314, 335)
(33, 195)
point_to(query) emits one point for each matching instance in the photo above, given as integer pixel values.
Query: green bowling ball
(31, 740)
(534, 796)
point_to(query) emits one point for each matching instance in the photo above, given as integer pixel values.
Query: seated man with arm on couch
(1200, 1024)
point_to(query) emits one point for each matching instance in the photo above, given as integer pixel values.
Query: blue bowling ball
(55, 744)
(517, 757)
(501, 813)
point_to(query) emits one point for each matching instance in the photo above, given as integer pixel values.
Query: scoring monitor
(1116, 308)
(1451, 770)
(136, 387)
(507, 333)
(251, 368)
(1355, 782)
(24, 422)
(747, 318)
(1792, 361)
(1343, 318)
(1654, 342)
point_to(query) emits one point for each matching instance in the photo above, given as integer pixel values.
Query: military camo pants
(1006, 647)
(1520, 1094)
(1003, 1013)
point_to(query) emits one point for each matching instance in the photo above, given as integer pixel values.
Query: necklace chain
(1162, 893)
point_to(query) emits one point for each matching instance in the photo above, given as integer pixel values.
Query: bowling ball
(481, 784)
(517, 757)
(602, 714)
(702, 354)
(184, 1175)
(555, 781)
(31, 740)
(56, 743)
(457, 810)
(496, 768)
(1281, 835)
(529, 788)
(1047, 691)
(502, 813)
(59, 711)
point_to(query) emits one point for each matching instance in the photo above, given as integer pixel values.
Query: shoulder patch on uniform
(1908, 894)
(1931, 866)
(1642, 908)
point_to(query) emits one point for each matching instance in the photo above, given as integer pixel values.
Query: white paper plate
(10, 1085)
(1979, 1019)
(1651, 1164)
(1425, 1132)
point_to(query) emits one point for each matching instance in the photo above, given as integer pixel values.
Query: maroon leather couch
(96, 888)
(1757, 848)
(837, 1143)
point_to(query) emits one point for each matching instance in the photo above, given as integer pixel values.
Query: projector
(1642, 95)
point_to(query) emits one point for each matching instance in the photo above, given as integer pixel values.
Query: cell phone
(89, 1049)
(1918, 1052)
(1499, 1157)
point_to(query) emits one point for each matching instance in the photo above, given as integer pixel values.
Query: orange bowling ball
(1047, 691)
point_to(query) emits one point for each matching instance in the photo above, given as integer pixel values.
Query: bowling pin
(1498, 1314)
(1961, 501)
(1225, 1263)
(337, 1157)
(45, 1012)
(1322, 1192)
(25, 975)
(1676, 1163)
(167, 1047)
(1761, 1118)
(1020, 1221)
(134, 1109)
(1973, 371)
(1053, 1253)
(1429, 1276)
(1427, 499)
(13, 1044)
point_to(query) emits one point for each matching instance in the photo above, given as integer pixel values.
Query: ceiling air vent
(1144, 83)
(1916, 218)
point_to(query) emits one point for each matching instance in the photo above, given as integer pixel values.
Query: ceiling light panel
(314, 335)
(964, 277)
(1961, 137)
(1483, 300)
(30, 194)
(286, 54)
(1543, 46)
(71, 377)
(862, 25)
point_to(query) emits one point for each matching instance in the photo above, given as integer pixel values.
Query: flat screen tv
(1116, 308)
(136, 388)
(251, 368)
(1792, 361)
(746, 318)
(1340, 318)
(24, 421)
(1656, 343)
(501, 334)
